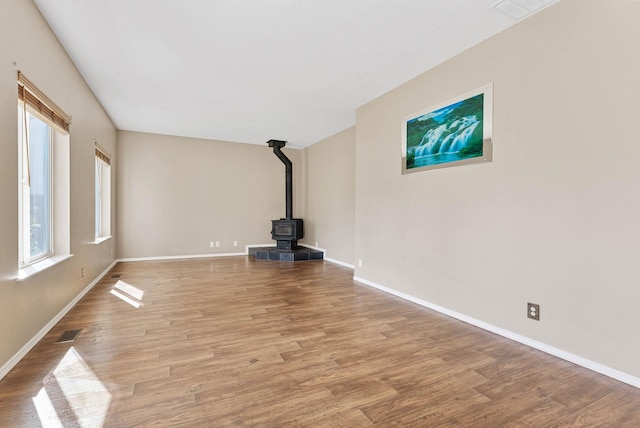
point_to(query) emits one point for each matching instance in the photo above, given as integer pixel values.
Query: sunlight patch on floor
(128, 293)
(72, 395)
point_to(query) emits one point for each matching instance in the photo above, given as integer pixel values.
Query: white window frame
(102, 223)
(31, 100)
(24, 194)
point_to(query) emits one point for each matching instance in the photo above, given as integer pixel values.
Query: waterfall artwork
(457, 132)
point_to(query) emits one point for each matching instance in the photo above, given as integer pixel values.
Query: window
(36, 188)
(103, 196)
(43, 167)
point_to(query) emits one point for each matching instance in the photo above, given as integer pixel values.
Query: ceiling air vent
(519, 9)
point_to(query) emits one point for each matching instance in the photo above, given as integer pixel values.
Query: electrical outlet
(212, 244)
(217, 243)
(82, 272)
(359, 262)
(235, 243)
(533, 311)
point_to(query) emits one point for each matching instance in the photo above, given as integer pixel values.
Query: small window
(102, 196)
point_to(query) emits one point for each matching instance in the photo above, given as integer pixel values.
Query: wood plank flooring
(237, 342)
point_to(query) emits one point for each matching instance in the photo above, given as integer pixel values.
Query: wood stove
(286, 231)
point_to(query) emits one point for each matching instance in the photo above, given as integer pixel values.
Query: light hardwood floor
(250, 343)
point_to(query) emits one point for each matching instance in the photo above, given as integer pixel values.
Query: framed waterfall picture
(455, 132)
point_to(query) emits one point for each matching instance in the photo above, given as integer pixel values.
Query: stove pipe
(277, 145)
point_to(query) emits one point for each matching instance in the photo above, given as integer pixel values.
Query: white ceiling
(252, 70)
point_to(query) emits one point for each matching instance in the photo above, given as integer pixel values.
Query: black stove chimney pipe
(277, 145)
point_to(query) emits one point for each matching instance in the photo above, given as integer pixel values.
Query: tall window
(103, 196)
(36, 187)
(43, 173)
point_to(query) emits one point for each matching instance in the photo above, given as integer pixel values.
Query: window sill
(36, 268)
(101, 239)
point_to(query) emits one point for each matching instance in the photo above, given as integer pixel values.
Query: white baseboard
(179, 257)
(13, 361)
(246, 247)
(338, 262)
(201, 256)
(575, 359)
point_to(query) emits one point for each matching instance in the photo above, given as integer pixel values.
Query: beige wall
(176, 194)
(26, 307)
(554, 218)
(329, 171)
(551, 220)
